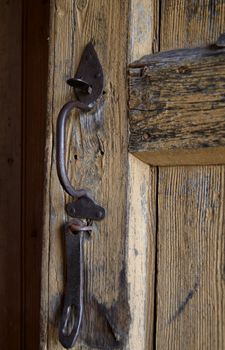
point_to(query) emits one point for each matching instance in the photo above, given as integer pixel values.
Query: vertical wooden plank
(141, 200)
(10, 177)
(191, 258)
(190, 310)
(141, 252)
(97, 159)
(143, 29)
(35, 76)
(190, 25)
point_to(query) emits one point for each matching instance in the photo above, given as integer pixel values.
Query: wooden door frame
(121, 259)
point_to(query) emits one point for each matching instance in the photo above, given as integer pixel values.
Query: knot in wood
(81, 4)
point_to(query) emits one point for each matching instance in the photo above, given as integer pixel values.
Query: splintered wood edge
(150, 143)
(177, 56)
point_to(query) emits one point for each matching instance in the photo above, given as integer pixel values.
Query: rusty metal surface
(88, 87)
(85, 207)
(88, 80)
(60, 149)
(73, 300)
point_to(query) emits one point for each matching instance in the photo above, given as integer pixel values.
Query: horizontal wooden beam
(177, 107)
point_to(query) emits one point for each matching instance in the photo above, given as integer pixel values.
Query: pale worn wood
(176, 104)
(190, 242)
(141, 252)
(142, 29)
(183, 157)
(141, 221)
(191, 255)
(97, 159)
(10, 175)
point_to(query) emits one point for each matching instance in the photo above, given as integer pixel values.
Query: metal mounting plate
(85, 208)
(88, 80)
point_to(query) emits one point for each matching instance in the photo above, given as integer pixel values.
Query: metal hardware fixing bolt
(88, 87)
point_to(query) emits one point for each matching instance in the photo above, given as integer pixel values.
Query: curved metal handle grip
(60, 148)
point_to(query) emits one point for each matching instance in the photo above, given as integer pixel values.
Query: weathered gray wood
(141, 194)
(190, 288)
(97, 159)
(186, 24)
(176, 104)
(190, 239)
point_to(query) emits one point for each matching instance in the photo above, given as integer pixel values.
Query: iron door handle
(60, 148)
(88, 85)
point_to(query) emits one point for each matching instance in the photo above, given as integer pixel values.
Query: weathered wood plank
(97, 159)
(191, 292)
(141, 201)
(141, 252)
(191, 24)
(190, 224)
(142, 30)
(176, 104)
(10, 175)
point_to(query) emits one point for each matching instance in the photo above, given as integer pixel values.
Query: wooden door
(154, 268)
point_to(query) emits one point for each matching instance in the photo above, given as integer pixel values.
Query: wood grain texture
(183, 157)
(10, 175)
(190, 287)
(142, 30)
(191, 258)
(141, 252)
(141, 196)
(196, 23)
(176, 103)
(97, 159)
